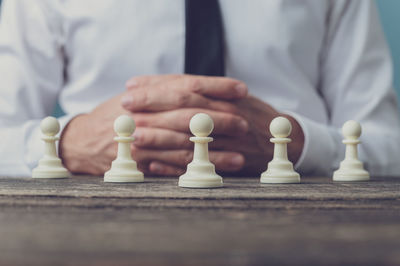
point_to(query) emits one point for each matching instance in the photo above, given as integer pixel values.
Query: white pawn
(351, 168)
(50, 165)
(280, 169)
(124, 168)
(200, 172)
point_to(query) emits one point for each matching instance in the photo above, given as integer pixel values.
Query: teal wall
(390, 16)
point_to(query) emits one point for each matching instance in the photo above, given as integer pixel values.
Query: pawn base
(200, 182)
(124, 178)
(123, 172)
(50, 173)
(350, 176)
(280, 173)
(280, 179)
(50, 168)
(200, 176)
(351, 171)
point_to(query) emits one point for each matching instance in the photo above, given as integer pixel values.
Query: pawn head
(50, 126)
(124, 126)
(351, 129)
(201, 125)
(280, 127)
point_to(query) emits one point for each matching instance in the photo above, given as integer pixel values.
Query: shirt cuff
(320, 149)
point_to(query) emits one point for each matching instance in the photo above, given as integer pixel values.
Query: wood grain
(83, 221)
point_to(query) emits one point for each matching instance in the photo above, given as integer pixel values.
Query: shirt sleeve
(31, 67)
(355, 83)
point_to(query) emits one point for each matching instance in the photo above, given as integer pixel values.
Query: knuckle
(229, 121)
(144, 99)
(182, 99)
(165, 87)
(149, 140)
(193, 84)
(141, 120)
(230, 108)
(184, 119)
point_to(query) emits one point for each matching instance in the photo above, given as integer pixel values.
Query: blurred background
(389, 13)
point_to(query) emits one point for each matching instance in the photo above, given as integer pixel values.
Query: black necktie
(204, 48)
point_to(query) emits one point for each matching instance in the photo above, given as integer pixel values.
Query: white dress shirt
(324, 62)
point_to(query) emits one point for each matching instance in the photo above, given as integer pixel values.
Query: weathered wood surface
(82, 221)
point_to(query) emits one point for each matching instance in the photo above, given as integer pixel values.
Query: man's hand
(241, 122)
(87, 144)
(171, 92)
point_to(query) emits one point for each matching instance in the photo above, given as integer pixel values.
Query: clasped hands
(162, 106)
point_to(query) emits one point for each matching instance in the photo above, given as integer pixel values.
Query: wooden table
(83, 221)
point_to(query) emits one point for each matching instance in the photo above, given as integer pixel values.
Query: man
(319, 63)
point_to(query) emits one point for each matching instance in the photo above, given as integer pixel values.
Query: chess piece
(124, 168)
(200, 172)
(351, 168)
(280, 169)
(50, 165)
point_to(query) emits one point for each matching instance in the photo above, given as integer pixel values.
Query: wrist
(69, 151)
